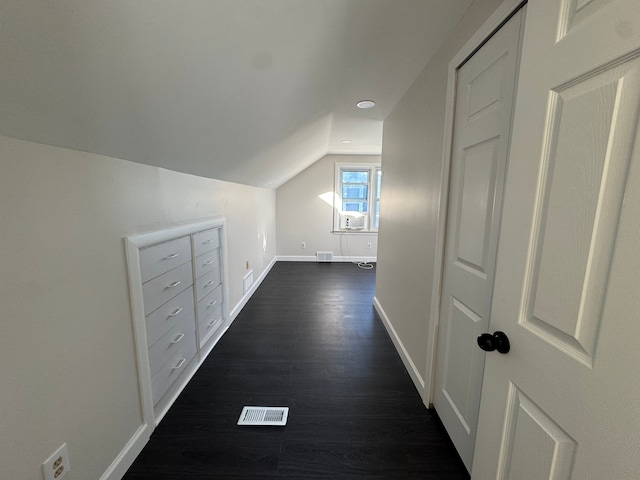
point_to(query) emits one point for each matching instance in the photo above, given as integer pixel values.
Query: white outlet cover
(57, 465)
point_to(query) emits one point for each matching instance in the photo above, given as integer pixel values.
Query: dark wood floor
(308, 339)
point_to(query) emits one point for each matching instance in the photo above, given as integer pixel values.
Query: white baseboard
(312, 258)
(128, 454)
(418, 381)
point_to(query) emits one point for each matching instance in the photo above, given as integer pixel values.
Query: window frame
(373, 195)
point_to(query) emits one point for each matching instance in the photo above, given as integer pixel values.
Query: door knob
(498, 341)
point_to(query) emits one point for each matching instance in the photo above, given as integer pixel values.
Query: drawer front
(207, 262)
(171, 370)
(205, 330)
(169, 315)
(205, 241)
(172, 342)
(161, 258)
(210, 307)
(160, 290)
(208, 282)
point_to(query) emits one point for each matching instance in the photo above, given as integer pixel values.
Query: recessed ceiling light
(366, 104)
(345, 141)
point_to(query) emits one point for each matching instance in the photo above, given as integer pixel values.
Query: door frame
(478, 39)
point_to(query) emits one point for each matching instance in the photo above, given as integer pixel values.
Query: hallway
(308, 339)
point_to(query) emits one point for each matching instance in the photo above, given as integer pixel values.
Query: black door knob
(498, 341)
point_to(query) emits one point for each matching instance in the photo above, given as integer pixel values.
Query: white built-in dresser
(178, 285)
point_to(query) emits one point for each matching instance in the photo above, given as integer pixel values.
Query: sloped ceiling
(248, 91)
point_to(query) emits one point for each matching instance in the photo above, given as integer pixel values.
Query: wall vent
(324, 256)
(247, 281)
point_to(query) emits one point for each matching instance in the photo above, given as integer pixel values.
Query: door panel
(562, 404)
(484, 99)
(478, 165)
(579, 200)
(537, 448)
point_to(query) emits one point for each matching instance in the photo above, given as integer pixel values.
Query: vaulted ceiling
(248, 91)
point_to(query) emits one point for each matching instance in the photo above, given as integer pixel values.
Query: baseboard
(128, 454)
(312, 258)
(243, 301)
(418, 381)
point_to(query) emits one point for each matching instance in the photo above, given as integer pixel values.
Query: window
(357, 197)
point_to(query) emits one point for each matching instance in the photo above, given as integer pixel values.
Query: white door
(564, 403)
(482, 123)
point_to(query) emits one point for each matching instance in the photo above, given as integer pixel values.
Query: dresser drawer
(210, 307)
(208, 282)
(207, 262)
(205, 241)
(205, 330)
(160, 290)
(163, 257)
(172, 342)
(169, 372)
(210, 314)
(168, 315)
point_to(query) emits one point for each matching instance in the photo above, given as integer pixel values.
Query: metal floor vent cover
(264, 416)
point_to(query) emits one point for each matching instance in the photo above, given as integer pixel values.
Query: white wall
(411, 164)
(67, 361)
(302, 216)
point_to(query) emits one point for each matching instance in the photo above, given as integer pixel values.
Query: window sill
(354, 232)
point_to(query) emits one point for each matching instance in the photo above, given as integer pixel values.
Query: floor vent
(264, 416)
(324, 256)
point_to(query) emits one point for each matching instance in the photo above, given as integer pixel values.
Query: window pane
(355, 177)
(355, 191)
(354, 206)
(379, 183)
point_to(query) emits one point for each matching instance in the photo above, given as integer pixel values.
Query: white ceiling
(248, 91)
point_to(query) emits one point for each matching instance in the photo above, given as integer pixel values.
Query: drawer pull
(208, 241)
(212, 323)
(208, 284)
(178, 338)
(209, 262)
(180, 363)
(174, 284)
(211, 304)
(173, 255)
(176, 312)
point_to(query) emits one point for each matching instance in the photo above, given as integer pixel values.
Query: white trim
(128, 454)
(418, 381)
(312, 258)
(243, 301)
(501, 15)
(140, 333)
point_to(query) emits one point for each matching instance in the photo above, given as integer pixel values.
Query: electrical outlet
(369, 245)
(57, 465)
(303, 245)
